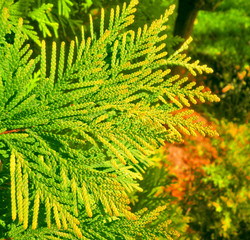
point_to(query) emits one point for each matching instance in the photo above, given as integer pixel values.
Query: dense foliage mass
(210, 179)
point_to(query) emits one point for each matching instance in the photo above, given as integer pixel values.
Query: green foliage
(62, 18)
(78, 128)
(155, 179)
(225, 31)
(47, 18)
(222, 40)
(26, 9)
(153, 9)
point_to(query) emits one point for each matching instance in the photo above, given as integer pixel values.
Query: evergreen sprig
(79, 132)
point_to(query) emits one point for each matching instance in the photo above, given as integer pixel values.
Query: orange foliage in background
(187, 160)
(221, 189)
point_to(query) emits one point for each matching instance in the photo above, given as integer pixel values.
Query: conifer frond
(181, 59)
(80, 131)
(107, 228)
(26, 9)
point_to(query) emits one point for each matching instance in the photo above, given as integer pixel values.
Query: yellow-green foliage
(79, 132)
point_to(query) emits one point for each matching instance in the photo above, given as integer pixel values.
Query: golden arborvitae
(78, 129)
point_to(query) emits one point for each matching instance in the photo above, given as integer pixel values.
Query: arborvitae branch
(80, 132)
